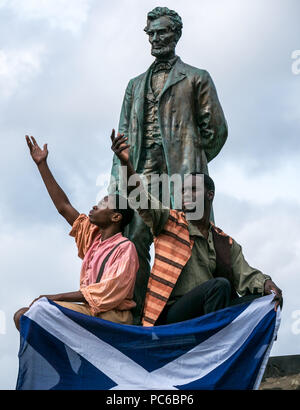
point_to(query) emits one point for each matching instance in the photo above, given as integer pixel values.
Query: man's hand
(38, 155)
(119, 147)
(76, 296)
(50, 297)
(269, 287)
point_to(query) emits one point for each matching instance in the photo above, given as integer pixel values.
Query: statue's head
(164, 29)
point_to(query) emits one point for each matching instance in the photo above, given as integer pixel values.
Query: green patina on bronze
(173, 119)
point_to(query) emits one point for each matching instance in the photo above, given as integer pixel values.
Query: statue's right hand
(120, 147)
(38, 155)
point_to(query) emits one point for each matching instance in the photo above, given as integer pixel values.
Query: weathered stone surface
(281, 383)
(282, 373)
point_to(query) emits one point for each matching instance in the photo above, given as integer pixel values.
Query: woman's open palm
(38, 155)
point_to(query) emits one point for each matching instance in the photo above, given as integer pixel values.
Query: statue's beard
(164, 50)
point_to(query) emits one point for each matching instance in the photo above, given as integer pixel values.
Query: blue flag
(61, 349)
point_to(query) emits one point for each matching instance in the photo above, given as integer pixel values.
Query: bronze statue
(173, 120)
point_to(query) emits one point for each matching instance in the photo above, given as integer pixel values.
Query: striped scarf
(173, 248)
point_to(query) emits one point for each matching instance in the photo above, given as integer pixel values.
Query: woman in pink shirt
(110, 260)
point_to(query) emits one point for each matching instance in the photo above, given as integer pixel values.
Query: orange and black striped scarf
(173, 248)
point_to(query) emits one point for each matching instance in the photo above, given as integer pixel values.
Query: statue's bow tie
(162, 66)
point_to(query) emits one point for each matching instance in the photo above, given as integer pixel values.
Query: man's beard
(164, 50)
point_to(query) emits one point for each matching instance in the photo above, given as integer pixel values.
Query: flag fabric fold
(61, 349)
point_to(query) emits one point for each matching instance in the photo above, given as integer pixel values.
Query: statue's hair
(176, 22)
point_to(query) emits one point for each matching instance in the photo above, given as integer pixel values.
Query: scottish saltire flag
(228, 349)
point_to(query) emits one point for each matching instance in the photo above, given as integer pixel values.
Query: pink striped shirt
(115, 289)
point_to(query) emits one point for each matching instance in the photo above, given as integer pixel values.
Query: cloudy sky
(64, 66)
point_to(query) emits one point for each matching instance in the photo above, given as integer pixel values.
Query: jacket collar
(176, 74)
(194, 231)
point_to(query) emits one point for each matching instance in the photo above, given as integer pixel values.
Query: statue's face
(161, 37)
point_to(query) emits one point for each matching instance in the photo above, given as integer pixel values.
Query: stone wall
(282, 373)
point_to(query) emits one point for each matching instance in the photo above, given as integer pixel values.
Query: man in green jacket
(214, 273)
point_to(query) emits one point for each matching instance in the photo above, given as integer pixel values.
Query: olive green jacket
(191, 120)
(202, 263)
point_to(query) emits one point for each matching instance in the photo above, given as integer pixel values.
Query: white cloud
(102, 183)
(264, 188)
(63, 14)
(18, 67)
(292, 108)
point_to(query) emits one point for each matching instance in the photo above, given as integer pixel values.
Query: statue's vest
(151, 124)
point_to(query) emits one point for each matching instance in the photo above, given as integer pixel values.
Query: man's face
(196, 198)
(103, 213)
(192, 193)
(161, 37)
